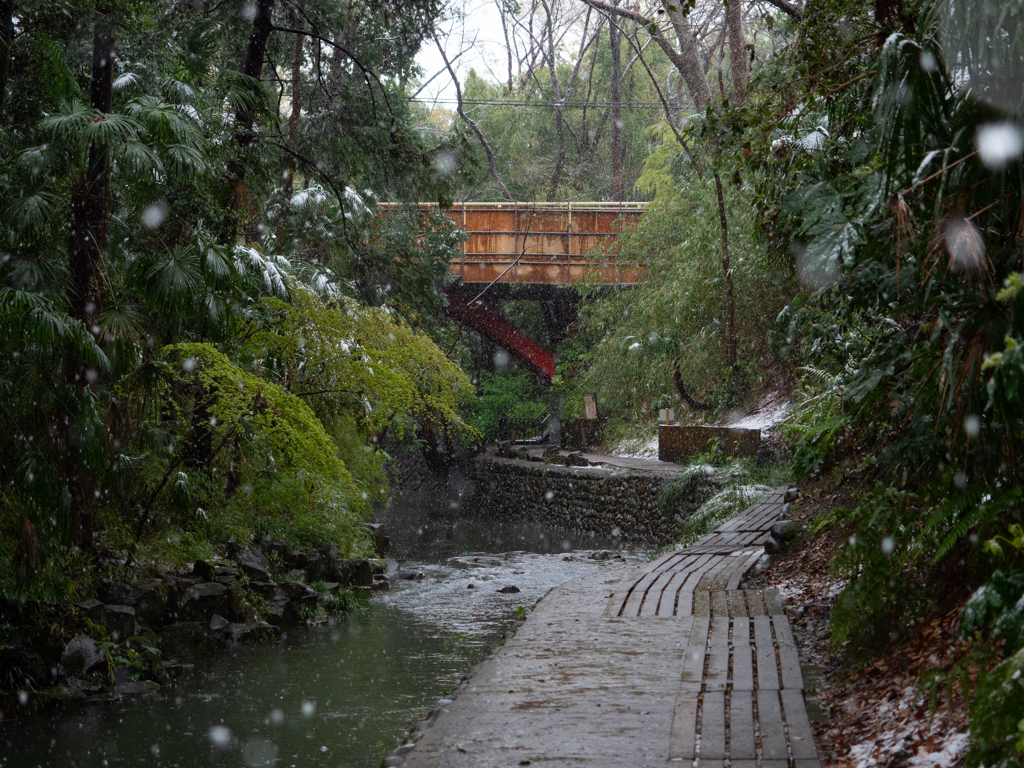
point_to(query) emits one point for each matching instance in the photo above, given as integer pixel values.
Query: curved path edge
(666, 663)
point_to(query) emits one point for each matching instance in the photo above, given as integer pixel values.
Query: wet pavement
(644, 664)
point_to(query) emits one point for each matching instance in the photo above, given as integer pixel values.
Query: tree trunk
(293, 119)
(739, 60)
(677, 379)
(615, 39)
(730, 309)
(6, 34)
(252, 66)
(559, 108)
(688, 60)
(90, 198)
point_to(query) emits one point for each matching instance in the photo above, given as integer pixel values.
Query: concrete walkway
(663, 664)
(627, 462)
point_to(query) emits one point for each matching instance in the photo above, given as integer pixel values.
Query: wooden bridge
(543, 249)
(545, 243)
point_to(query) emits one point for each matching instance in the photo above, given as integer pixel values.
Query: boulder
(89, 687)
(239, 633)
(82, 655)
(176, 669)
(361, 574)
(187, 639)
(93, 610)
(576, 459)
(783, 530)
(511, 589)
(295, 559)
(772, 546)
(284, 601)
(218, 623)
(791, 495)
(57, 697)
(317, 567)
(225, 574)
(119, 621)
(201, 601)
(254, 563)
(203, 571)
(118, 593)
(154, 603)
(177, 586)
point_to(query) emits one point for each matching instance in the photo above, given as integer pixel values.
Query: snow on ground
(770, 411)
(637, 448)
(915, 742)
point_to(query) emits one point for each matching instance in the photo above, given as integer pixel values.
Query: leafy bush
(514, 395)
(678, 313)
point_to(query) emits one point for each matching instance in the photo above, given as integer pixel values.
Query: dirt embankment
(903, 709)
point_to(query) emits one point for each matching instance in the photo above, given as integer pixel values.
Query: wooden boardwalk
(665, 664)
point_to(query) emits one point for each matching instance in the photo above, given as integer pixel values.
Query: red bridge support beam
(495, 327)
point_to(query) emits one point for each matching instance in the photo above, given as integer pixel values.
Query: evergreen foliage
(204, 322)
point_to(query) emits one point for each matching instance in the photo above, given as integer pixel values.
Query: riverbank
(338, 694)
(137, 635)
(904, 707)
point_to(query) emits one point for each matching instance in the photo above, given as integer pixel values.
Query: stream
(341, 695)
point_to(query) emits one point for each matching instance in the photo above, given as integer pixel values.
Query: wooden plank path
(663, 664)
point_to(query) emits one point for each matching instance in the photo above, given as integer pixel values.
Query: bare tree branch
(491, 167)
(792, 9)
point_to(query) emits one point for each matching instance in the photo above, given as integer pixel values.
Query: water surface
(341, 695)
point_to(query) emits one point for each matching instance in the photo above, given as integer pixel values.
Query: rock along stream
(337, 696)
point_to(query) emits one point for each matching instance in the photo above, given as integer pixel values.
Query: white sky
(482, 24)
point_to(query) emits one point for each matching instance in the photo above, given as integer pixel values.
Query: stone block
(202, 570)
(154, 604)
(187, 639)
(119, 621)
(118, 593)
(93, 610)
(137, 687)
(678, 443)
(201, 601)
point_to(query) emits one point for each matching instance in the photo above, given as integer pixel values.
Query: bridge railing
(521, 428)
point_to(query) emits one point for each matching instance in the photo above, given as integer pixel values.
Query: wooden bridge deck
(663, 664)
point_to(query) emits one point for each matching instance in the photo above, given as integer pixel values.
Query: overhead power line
(568, 105)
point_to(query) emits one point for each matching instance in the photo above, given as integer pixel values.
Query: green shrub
(516, 395)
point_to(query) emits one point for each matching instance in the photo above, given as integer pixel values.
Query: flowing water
(338, 696)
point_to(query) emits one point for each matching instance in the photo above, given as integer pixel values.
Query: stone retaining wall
(615, 503)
